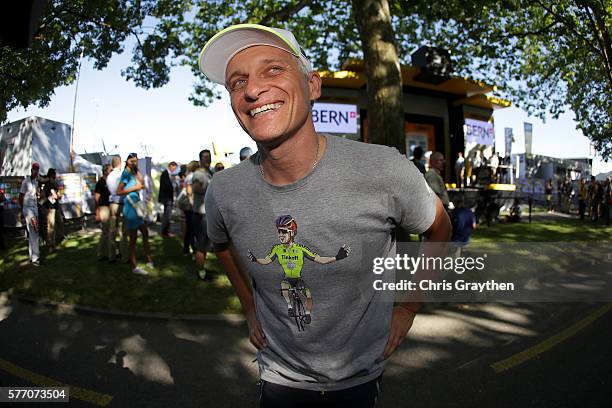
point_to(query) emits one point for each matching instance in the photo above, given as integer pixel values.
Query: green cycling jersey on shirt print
(290, 256)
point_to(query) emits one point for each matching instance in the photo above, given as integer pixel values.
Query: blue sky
(164, 124)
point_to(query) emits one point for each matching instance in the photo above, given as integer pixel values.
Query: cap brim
(222, 47)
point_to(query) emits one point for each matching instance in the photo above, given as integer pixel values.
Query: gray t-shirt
(203, 177)
(356, 196)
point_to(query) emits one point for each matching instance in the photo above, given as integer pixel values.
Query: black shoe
(307, 319)
(291, 312)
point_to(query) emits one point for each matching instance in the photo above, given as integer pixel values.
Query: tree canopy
(544, 56)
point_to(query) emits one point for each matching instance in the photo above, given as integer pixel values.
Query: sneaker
(139, 271)
(291, 312)
(201, 274)
(307, 319)
(35, 263)
(150, 265)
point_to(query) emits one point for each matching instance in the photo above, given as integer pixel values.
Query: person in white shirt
(28, 202)
(116, 210)
(460, 169)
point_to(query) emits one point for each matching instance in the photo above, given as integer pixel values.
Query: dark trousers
(165, 225)
(279, 396)
(189, 237)
(581, 208)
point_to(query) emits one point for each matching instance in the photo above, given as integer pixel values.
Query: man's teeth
(265, 108)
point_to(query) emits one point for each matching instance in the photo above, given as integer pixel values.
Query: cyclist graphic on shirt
(290, 256)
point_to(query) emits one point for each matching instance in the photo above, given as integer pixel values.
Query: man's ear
(314, 85)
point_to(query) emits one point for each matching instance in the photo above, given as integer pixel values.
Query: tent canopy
(84, 166)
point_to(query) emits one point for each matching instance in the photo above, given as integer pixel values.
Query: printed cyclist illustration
(290, 256)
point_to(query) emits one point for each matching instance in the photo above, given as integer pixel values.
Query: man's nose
(254, 88)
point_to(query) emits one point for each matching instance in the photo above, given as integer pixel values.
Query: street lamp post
(76, 92)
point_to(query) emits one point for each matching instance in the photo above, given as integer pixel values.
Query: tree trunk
(384, 80)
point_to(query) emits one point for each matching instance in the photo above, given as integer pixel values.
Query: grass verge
(74, 276)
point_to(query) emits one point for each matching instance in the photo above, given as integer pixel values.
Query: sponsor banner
(479, 132)
(335, 118)
(508, 138)
(528, 128)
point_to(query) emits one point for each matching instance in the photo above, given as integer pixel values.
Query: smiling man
(346, 195)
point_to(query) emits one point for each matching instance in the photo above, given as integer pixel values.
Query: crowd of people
(40, 211)
(123, 200)
(594, 198)
(123, 207)
(477, 169)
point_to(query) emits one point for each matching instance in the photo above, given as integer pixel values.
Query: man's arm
(262, 261)
(404, 313)
(343, 252)
(121, 190)
(323, 260)
(244, 292)
(97, 199)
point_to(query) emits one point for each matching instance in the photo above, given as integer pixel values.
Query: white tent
(34, 139)
(83, 166)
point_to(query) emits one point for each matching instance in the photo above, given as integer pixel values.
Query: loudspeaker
(435, 64)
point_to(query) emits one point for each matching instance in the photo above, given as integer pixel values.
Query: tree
(544, 56)
(383, 73)
(97, 29)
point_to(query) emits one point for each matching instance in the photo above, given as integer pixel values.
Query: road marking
(82, 394)
(549, 343)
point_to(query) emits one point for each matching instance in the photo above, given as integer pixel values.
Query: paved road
(445, 362)
(575, 373)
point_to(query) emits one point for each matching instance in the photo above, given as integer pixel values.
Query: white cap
(222, 47)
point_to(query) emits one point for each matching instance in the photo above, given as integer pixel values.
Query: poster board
(419, 134)
(70, 186)
(11, 185)
(88, 187)
(76, 191)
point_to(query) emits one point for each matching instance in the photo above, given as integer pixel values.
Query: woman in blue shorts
(129, 186)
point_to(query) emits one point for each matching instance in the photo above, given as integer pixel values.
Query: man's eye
(275, 69)
(237, 84)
